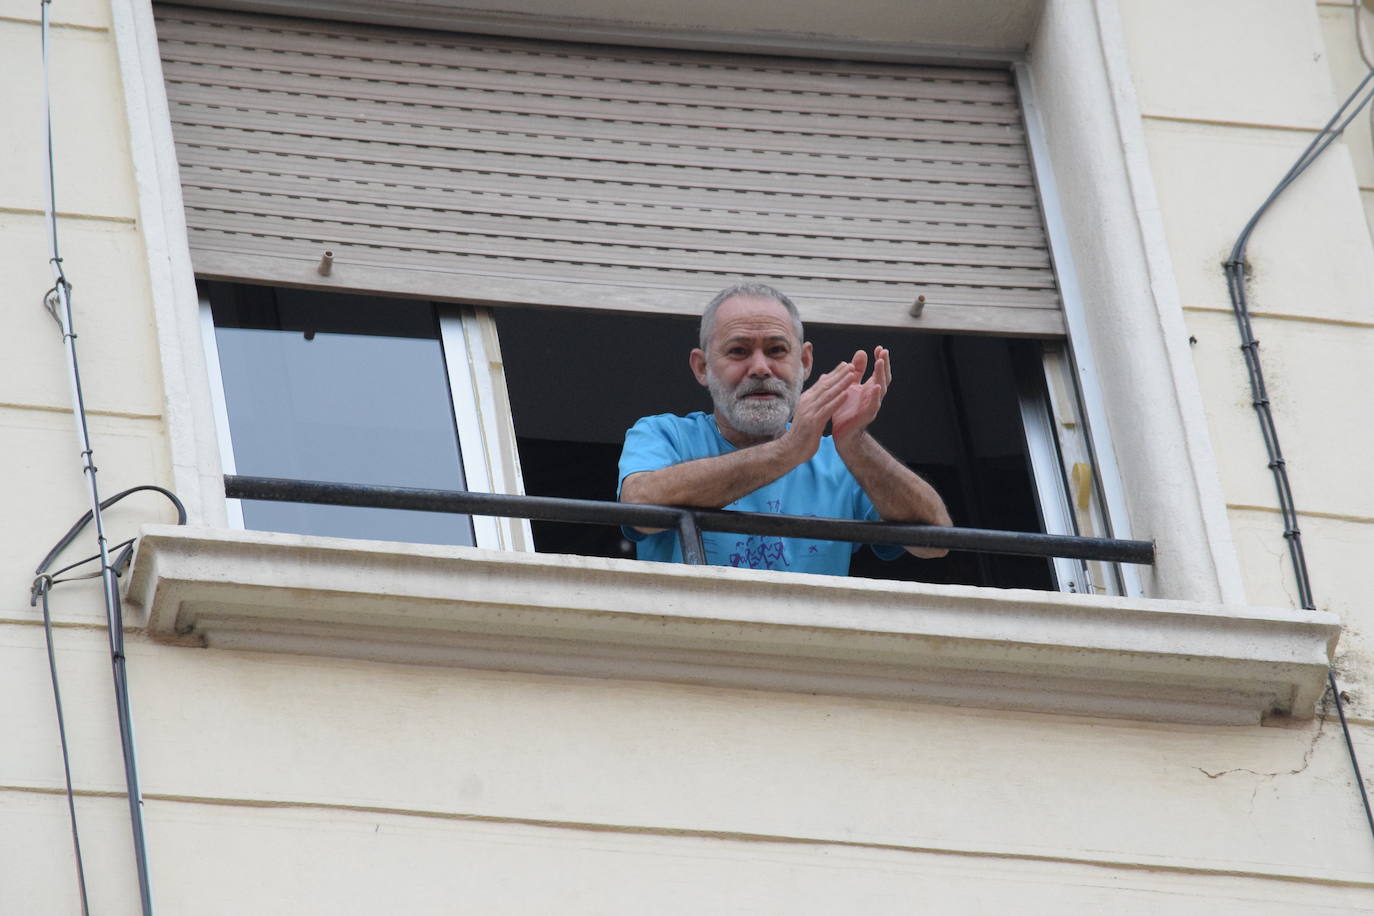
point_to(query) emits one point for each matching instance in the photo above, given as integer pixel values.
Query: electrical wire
(1356, 5)
(41, 587)
(1236, 286)
(58, 303)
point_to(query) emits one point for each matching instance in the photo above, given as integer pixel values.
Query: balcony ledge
(591, 617)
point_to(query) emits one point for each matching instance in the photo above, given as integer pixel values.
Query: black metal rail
(689, 522)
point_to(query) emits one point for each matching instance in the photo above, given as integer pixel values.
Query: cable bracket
(50, 300)
(41, 586)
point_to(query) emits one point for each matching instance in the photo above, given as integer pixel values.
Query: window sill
(565, 615)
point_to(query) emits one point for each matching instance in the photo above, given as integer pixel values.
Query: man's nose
(759, 367)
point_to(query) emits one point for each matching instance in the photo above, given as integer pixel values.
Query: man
(747, 456)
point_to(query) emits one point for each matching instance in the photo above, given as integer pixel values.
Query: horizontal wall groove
(90, 411)
(1306, 513)
(75, 26)
(1245, 125)
(62, 214)
(707, 834)
(1284, 316)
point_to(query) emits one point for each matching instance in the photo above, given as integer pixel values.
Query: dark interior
(578, 380)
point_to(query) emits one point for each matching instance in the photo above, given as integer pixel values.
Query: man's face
(754, 366)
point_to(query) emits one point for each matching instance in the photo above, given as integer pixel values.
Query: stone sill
(592, 617)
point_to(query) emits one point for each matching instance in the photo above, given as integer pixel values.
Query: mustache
(754, 386)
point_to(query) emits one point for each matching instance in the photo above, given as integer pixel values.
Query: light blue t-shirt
(822, 487)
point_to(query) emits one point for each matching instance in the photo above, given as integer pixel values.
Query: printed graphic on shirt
(759, 552)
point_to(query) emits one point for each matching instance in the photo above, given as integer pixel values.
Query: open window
(574, 205)
(313, 385)
(972, 415)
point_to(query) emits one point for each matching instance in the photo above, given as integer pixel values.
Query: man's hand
(861, 402)
(818, 406)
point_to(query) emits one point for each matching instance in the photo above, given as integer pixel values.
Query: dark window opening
(578, 380)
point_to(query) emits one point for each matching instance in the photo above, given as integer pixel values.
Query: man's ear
(806, 360)
(698, 361)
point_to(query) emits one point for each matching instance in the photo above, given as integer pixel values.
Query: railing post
(693, 550)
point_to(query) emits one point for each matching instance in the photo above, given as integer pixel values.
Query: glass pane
(346, 389)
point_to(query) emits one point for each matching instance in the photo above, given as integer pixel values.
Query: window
(586, 179)
(353, 389)
(325, 386)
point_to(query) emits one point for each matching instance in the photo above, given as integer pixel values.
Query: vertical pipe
(60, 302)
(689, 535)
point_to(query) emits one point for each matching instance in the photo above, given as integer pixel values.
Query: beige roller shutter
(506, 171)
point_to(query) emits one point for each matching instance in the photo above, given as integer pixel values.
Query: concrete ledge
(1011, 649)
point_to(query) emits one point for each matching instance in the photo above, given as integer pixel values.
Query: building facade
(343, 725)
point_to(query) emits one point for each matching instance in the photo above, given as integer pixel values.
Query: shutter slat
(621, 254)
(918, 142)
(519, 229)
(692, 180)
(844, 211)
(383, 80)
(438, 53)
(409, 273)
(311, 120)
(511, 171)
(208, 182)
(684, 116)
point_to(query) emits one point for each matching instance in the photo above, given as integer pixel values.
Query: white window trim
(1163, 449)
(233, 508)
(1047, 470)
(486, 430)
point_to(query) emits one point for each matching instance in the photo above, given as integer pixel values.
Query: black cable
(41, 587)
(85, 520)
(1259, 392)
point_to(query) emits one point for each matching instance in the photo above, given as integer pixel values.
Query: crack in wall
(1322, 713)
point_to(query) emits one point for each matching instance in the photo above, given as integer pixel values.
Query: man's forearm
(711, 482)
(897, 492)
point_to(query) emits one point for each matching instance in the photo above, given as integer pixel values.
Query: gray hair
(759, 290)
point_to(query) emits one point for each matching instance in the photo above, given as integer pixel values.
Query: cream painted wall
(1222, 128)
(271, 764)
(290, 784)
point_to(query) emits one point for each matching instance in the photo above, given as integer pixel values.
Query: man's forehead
(753, 316)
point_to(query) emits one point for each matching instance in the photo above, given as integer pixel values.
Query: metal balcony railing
(689, 521)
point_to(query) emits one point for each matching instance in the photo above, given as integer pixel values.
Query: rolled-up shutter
(507, 171)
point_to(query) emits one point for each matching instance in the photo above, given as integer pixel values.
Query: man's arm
(897, 492)
(711, 482)
(718, 481)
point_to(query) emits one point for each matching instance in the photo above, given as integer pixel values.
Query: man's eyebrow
(749, 338)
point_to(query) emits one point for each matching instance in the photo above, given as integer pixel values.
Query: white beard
(762, 417)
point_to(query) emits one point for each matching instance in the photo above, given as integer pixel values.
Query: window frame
(1165, 455)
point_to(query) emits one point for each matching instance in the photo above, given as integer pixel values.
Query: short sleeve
(649, 446)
